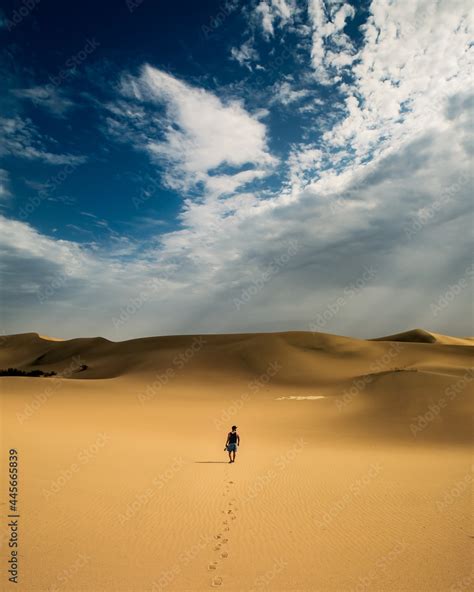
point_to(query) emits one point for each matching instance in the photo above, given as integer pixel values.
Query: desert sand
(354, 471)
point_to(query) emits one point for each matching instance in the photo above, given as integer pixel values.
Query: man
(233, 441)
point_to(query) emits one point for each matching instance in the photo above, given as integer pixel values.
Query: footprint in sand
(218, 536)
(224, 541)
(217, 548)
(224, 555)
(217, 582)
(225, 522)
(212, 565)
(226, 528)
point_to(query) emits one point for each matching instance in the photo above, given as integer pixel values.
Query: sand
(354, 471)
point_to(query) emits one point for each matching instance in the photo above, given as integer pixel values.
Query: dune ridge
(305, 354)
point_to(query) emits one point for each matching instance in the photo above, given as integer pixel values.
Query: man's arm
(227, 441)
(238, 440)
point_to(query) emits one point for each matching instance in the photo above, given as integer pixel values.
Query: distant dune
(351, 448)
(422, 336)
(307, 358)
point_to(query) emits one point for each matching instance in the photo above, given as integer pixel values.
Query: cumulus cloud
(271, 13)
(331, 49)
(413, 58)
(196, 134)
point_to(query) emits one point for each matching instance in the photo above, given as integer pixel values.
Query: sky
(229, 166)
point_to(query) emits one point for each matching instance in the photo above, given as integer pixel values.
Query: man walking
(233, 441)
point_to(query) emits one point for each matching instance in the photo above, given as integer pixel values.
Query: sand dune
(422, 336)
(354, 473)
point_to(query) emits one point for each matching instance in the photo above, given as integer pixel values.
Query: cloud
(47, 97)
(402, 76)
(245, 54)
(376, 195)
(271, 13)
(285, 94)
(194, 134)
(4, 185)
(387, 239)
(19, 137)
(331, 49)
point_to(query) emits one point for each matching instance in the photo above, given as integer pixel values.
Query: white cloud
(415, 56)
(199, 132)
(45, 96)
(285, 94)
(265, 13)
(327, 33)
(19, 137)
(271, 13)
(245, 54)
(4, 185)
(341, 227)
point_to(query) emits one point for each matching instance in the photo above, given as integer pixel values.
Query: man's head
(234, 428)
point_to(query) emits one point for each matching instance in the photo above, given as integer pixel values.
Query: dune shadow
(212, 462)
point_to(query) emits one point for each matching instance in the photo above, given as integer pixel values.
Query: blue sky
(235, 166)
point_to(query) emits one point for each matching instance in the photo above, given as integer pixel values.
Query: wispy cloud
(19, 137)
(47, 97)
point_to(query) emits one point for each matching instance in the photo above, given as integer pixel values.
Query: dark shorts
(231, 447)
